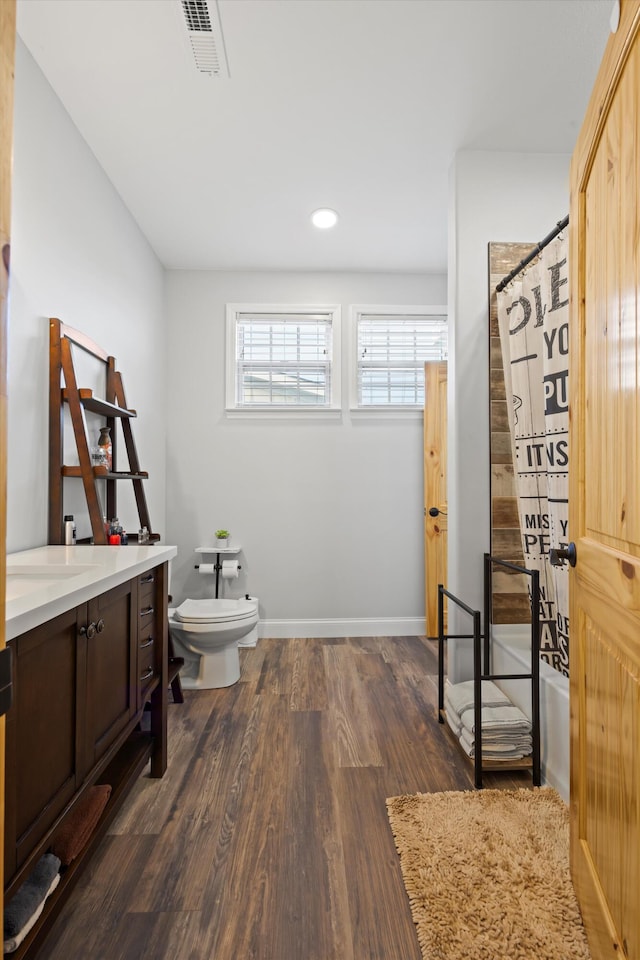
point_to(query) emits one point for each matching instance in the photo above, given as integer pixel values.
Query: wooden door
(7, 54)
(435, 488)
(605, 501)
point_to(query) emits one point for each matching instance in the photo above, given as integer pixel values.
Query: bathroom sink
(28, 578)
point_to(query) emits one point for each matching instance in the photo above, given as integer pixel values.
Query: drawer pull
(145, 613)
(148, 579)
(147, 644)
(145, 676)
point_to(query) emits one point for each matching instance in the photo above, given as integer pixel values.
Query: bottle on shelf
(105, 445)
(115, 528)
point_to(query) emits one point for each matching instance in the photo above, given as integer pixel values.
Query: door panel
(605, 503)
(435, 488)
(111, 669)
(41, 768)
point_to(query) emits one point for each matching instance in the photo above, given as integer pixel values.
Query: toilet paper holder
(217, 567)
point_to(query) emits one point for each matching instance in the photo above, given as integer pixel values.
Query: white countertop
(46, 581)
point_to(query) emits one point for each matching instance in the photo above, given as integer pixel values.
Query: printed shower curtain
(533, 314)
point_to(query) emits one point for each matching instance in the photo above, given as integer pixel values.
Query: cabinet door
(41, 767)
(111, 664)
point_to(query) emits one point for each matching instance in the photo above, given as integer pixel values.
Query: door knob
(557, 556)
(435, 512)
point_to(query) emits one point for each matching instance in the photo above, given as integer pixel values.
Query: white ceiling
(359, 105)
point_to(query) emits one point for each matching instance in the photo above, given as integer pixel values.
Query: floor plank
(381, 918)
(351, 729)
(268, 838)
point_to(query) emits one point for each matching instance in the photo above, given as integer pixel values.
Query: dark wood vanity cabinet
(81, 682)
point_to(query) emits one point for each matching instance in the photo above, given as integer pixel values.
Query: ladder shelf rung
(96, 405)
(101, 473)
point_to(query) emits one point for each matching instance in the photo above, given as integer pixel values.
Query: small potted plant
(222, 538)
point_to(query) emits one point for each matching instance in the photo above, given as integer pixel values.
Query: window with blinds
(283, 357)
(392, 346)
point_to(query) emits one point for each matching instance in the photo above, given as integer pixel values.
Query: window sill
(283, 413)
(386, 413)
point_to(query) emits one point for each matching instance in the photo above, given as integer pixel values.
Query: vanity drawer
(147, 660)
(147, 588)
(146, 619)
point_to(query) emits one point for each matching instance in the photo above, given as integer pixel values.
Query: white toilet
(206, 634)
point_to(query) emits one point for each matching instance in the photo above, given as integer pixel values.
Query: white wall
(77, 254)
(329, 513)
(493, 197)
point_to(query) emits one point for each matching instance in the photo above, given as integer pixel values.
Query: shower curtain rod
(561, 224)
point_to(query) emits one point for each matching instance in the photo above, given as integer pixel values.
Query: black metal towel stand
(482, 664)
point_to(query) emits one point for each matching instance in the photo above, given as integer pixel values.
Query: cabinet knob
(88, 632)
(100, 625)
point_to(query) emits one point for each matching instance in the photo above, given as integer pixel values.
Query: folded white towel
(459, 696)
(454, 721)
(497, 751)
(498, 718)
(496, 744)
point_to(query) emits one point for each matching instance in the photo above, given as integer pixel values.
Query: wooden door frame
(435, 472)
(7, 65)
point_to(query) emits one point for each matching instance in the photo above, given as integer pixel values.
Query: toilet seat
(214, 611)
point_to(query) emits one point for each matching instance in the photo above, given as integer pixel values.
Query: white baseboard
(392, 627)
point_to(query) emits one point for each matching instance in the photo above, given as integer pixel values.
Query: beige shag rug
(487, 874)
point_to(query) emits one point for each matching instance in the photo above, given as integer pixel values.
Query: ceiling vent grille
(204, 30)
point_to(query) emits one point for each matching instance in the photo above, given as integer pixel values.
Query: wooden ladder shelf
(64, 390)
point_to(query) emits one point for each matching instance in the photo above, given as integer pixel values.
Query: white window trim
(332, 411)
(386, 410)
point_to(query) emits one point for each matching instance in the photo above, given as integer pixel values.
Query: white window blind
(391, 352)
(283, 358)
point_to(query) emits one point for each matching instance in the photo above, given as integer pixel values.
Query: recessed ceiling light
(324, 217)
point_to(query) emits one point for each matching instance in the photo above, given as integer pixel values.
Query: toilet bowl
(250, 639)
(206, 634)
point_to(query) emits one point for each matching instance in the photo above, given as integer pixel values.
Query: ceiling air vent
(204, 30)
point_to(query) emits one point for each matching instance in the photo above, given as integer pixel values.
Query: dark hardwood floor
(268, 838)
